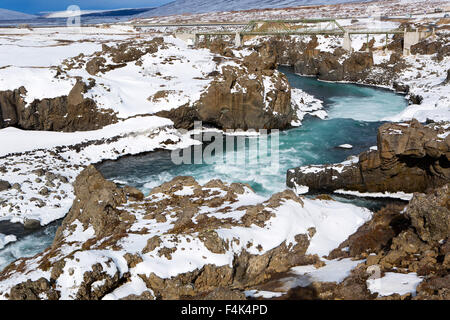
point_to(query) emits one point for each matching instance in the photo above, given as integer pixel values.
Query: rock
(251, 96)
(224, 294)
(44, 191)
(110, 217)
(32, 224)
(133, 193)
(95, 204)
(374, 235)
(410, 158)
(430, 214)
(66, 113)
(327, 66)
(400, 87)
(33, 290)
(95, 65)
(447, 80)
(4, 185)
(16, 186)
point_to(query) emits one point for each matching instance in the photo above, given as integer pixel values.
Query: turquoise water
(28, 245)
(315, 142)
(355, 114)
(349, 101)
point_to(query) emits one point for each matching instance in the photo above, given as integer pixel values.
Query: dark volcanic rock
(31, 224)
(4, 185)
(66, 113)
(326, 66)
(414, 239)
(410, 158)
(109, 217)
(237, 98)
(430, 215)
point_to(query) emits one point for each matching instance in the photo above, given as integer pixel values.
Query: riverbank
(41, 169)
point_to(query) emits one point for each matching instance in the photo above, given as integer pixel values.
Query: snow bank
(393, 283)
(6, 239)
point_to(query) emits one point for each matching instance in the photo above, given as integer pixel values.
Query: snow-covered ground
(398, 8)
(179, 70)
(45, 164)
(394, 283)
(47, 194)
(333, 222)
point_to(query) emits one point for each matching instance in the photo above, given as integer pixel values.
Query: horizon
(42, 6)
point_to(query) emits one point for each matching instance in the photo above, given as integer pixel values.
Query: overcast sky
(36, 6)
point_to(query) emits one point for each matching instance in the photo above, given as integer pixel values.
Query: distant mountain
(202, 6)
(14, 15)
(96, 13)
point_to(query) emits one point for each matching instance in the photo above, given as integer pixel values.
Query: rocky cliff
(410, 157)
(251, 94)
(401, 240)
(66, 113)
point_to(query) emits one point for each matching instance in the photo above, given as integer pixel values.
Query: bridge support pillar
(410, 39)
(347, 42)
(238, 40)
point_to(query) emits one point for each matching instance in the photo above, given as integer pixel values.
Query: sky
(36, 6)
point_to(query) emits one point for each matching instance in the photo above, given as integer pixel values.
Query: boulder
(32, 224)
(4, 185)
(430, 215)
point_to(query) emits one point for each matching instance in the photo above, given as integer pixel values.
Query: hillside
(201, 6)
(14, 15)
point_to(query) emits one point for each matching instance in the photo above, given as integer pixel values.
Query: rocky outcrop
(336, 64)
(121, 54)
(426, 47)
(327, 66)
(251, 95)
(430, 215)
(410, 240)
(66, 113)
(410, 157)
(112, 235)
(4, 185)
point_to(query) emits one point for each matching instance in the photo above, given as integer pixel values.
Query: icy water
(354, 117)
(355, 113)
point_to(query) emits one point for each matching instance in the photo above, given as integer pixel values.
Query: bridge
(307, 27)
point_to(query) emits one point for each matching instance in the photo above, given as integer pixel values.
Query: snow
(13, 140)
(200, 6)
(6, 239)
(134, 287)
(334, 223)
(393, 283)
(334, 271)
(395, 195)
(304, 104)
(262, 294)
